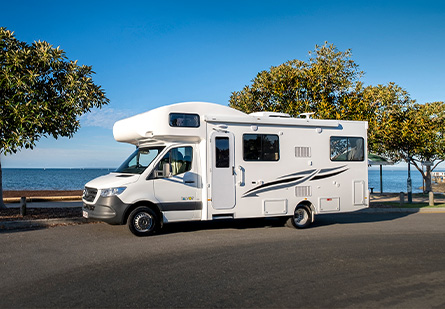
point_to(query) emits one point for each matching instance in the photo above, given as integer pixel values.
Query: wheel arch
(309, 207)
(148, 204)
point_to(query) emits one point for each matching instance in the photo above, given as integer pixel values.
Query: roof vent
(306, 115)
(270, 114)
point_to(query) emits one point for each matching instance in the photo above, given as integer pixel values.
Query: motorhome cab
(204, 161)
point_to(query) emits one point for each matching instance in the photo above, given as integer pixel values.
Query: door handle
(242, 181)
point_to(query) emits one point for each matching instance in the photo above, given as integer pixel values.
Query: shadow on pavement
(320, 221)
(239, 224)
(356, 217)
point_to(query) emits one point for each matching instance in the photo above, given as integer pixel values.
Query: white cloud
(104, 118)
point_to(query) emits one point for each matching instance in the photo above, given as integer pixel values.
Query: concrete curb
(41, 223)
(404, 210)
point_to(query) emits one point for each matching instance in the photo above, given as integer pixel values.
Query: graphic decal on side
(295, 179)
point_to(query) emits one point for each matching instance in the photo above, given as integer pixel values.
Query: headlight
(112, 191)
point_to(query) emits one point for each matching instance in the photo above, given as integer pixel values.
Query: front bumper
(108, 209)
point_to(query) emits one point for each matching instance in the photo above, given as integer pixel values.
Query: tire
(143, 221)
(301, 218)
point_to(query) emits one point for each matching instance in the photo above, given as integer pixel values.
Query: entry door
(223, 170)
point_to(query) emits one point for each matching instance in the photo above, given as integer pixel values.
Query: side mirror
(166, 169)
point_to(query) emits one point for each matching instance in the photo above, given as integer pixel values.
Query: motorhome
(205, 161)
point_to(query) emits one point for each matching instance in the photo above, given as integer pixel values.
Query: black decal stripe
(277, 182)
(274, 188)
(318, 177)
(178, 206)
(331, 169)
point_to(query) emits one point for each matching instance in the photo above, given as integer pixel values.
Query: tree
(415, 134)
(42, 94)
(385, 104)
(324, 85)
(329, 85)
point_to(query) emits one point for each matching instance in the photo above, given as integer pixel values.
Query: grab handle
(242, 181)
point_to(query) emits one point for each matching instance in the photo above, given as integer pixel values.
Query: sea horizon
(19, 179)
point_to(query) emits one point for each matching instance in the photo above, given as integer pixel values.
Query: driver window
(180, 160)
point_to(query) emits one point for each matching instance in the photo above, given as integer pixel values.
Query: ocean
(394, 179)
(49, 178)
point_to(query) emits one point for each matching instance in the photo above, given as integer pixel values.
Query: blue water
(394, 180)
(49, 179)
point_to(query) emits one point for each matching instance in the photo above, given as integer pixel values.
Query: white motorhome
(204, 161)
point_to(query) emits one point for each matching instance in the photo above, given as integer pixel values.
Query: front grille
(89, 207)
(89, 194)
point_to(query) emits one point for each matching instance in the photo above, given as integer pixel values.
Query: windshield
(139, 160)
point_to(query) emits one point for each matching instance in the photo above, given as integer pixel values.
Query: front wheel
(301, 218)
(143, 221)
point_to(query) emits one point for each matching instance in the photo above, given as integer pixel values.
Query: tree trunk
(2, 205)
(427, 178)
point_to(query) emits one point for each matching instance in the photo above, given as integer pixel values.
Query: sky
(148, 54)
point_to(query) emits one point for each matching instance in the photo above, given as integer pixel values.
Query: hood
(112, 180)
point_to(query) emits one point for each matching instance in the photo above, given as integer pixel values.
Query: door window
(222, 152)
(180, 160)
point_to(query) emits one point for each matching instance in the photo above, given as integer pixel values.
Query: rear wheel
(301, 218)
(143, 221)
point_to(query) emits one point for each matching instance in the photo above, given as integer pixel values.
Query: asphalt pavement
(342, 261)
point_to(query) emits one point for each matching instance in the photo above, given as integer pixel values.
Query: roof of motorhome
(154, 124)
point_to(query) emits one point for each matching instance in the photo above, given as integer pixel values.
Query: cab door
(222, 170)
(178, 189)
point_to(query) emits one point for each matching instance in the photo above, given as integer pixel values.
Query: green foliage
(329, 85)
(385, 106)
(42, 93)
(323, 85)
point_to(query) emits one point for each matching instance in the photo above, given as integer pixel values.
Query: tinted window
(184, 120)
(222, 152)
(347, 148)
(261, 147)
(180, 160)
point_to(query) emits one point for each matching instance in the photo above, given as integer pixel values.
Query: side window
(347, 148)
(184, 120)
(222, 152)
(180, 160)
(261, 147)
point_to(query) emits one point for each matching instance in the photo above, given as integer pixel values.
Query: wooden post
(402, 198)
(431, 198)
(23, 206)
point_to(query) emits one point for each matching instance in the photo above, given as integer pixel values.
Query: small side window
(184, 120)
(347, 148)
(261, 147)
